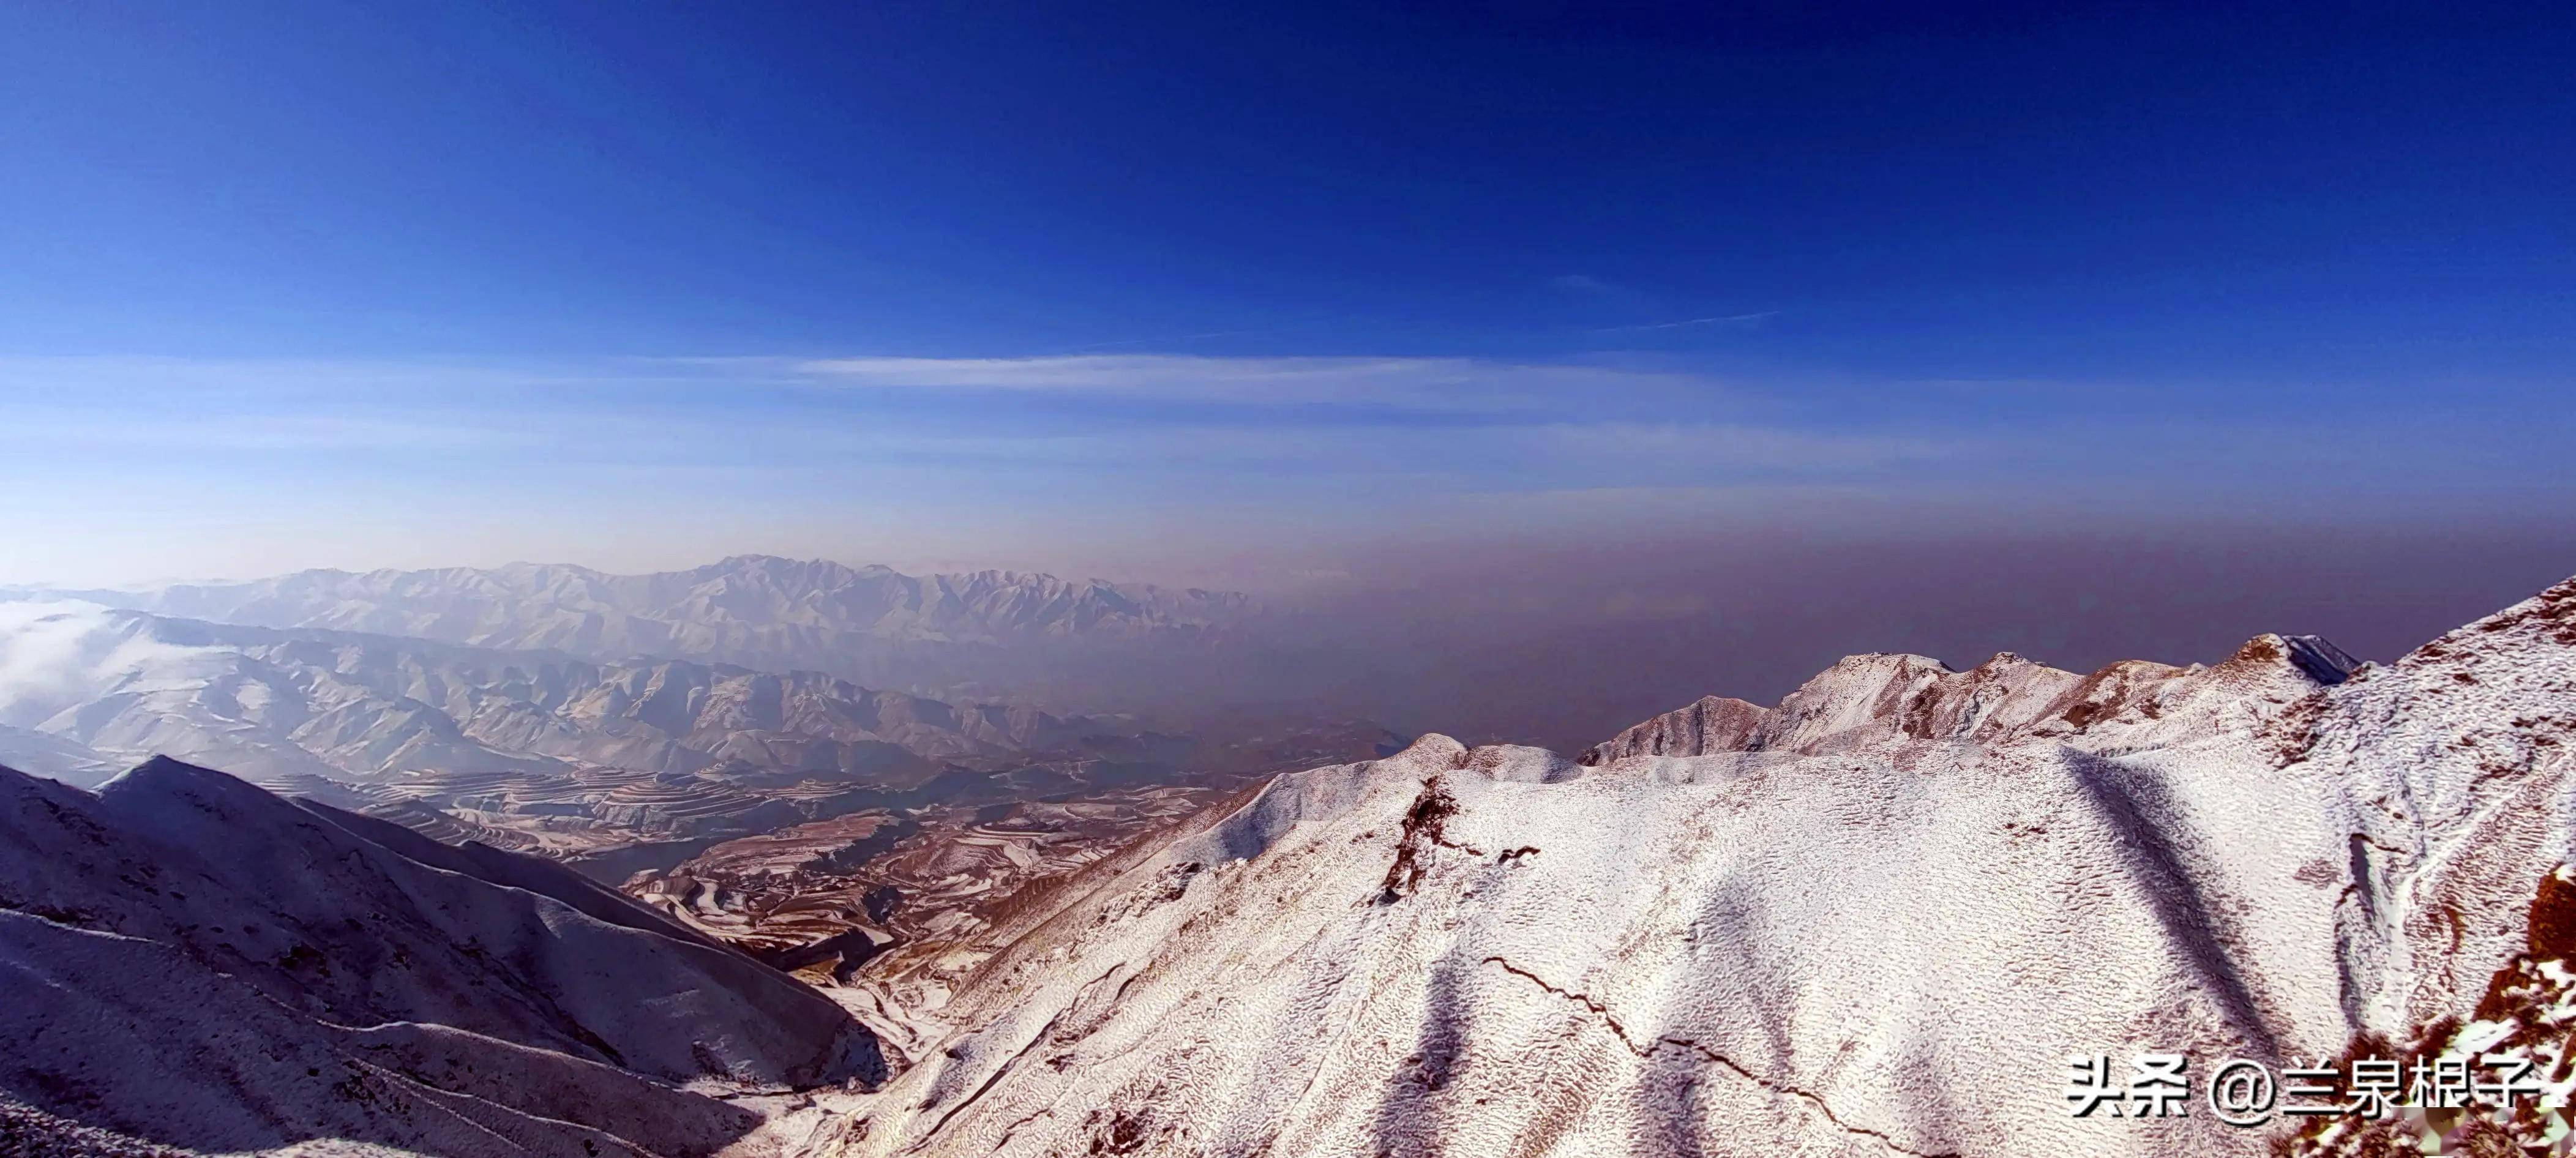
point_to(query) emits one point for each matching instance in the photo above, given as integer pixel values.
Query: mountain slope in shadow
(190, 960)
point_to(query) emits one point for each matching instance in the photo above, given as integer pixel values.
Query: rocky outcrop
(1872, 700)
(1714, 724)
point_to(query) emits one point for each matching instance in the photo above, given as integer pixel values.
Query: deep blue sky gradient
(2371, 193)
(2259, 256)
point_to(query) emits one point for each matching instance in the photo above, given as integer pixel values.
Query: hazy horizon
(1727, 341)
(1565, 643)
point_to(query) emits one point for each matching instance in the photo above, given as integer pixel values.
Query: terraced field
(887, 909)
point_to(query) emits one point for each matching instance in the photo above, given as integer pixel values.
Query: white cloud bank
(54, 652)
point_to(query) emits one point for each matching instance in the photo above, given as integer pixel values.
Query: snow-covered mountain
(990, 632)
(619, 766)
(1869, 699)
(269, 703)
(189, 960)
(1714, 724)
(1877, 918)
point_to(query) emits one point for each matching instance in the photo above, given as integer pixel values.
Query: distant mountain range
(270, 703)
(985, 634)
(543, 751)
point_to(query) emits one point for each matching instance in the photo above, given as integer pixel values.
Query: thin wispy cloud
(1176, 339)
(1397, 381)
(52, 376)
(266, 430)
(1746, 321)
(157, 452)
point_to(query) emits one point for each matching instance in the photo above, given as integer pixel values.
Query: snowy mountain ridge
(980, 634)
(1868, 699)
(188, 959)
(270, 703)
(1875, 919)
(566, 607)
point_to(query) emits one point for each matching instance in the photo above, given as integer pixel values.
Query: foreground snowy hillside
(1876, 919)
(188, 959)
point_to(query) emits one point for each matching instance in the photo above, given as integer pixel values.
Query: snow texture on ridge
(1877, 921)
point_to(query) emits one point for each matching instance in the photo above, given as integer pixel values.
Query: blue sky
(1200, 289)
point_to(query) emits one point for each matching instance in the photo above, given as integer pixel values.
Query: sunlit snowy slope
(1875, 919)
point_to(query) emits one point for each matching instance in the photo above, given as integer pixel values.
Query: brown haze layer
(1561, 646)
